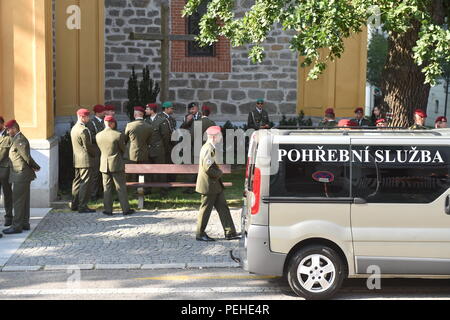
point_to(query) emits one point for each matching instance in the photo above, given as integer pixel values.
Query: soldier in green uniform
(5, 185)
(83, 160)
(96, 125)
(193, 115)
(112, 166)
(22, 172)
(170, 125)
(419, 120)
(329, 121)
(258, 118)
(210, 186)
(138, 133)
(359, 119)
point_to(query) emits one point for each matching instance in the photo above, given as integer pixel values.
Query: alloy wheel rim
(316, 273)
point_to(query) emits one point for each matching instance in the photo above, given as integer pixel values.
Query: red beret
(359, 110)
(206, 108)
(152, 106)
(347, 123)
(2, 119)
(140, 109)
(110, 119)
(213, 130)
(10, 124)
(420, 113)
(99, 108)
(329, 111)
(83, 112)
(441, 119)
(380, 121)
(110, 108)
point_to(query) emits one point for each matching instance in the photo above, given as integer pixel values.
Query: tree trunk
(403, 84)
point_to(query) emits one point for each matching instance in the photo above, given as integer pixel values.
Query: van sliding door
(400, 223)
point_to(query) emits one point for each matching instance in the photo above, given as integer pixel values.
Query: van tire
(312, 264)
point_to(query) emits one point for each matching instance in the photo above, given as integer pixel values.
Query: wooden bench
(146, 169)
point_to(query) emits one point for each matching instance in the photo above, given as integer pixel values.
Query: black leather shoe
(8, 223)
(26, 228)
(107, 213)
(129, 212)
(11, 231)
(233, 236)
(87, 210)
(205, 237)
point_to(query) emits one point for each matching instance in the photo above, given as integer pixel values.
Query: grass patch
(177, 199)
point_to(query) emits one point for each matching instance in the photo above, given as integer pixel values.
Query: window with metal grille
(193, 21)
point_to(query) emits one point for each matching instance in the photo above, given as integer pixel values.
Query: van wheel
(316, 272)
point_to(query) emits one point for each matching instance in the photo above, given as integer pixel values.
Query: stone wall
(231, 94)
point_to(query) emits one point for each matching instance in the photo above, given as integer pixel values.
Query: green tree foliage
(376, 58)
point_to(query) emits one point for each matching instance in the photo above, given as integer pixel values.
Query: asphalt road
(212, 284)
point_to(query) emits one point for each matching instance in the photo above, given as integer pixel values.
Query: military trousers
(117, 180)
(81, 188)
(97, 185)
(217, 201)
(21, 204)
(6, 187)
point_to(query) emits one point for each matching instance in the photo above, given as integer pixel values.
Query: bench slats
(169, 168)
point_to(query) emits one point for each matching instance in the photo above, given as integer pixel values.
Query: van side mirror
(359, 201)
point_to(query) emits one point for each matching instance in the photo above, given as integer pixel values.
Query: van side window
(302, 173)
(401, 174)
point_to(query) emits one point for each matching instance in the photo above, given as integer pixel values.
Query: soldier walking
(211, 188)
(5, 185)
(258, 118)
(83, 155)
(112, 166)
(22, 172)
(96, 125)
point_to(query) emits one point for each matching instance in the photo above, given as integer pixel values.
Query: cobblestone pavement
(144, 238)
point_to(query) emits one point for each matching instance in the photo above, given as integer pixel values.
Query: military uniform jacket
(328, 124)
(362, 123)
(188, 124)
(417, 127)
(83, 148)
(257, 119)
(139, 134)
(95, 126)
(170, 125)
(5, 144)
(156, 145)
(112, 147)
(209, 178)
(22, 165)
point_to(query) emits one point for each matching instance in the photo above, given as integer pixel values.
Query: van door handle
(447, 205)
(359, 201)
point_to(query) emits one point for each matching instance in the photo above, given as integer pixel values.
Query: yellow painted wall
(342, 86)
(26, 65)
(79, 57)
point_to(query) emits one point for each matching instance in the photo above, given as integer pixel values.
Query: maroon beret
(380, 121)
(329, 111)
(140, 109)
(359, 110)
(440, 119)
(110, 119)
(206, 108)
(10, 124)
(99, 108)
(83, 112)
(152, 106)
(110, 108)
(420, 113)
(213, 130)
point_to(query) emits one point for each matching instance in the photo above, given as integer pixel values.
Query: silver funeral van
(324, 205)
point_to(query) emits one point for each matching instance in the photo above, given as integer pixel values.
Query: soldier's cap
(359, 110)
(110, 119)
(206, 108)
(152, 106)
(167, 105)
(10, 124)
(329, 111)
(420, 113)
(214, 130)
(260, 101)
(191, 105)
(139, 109)
(380, 121)
(110, 108)
(2, 120)
(99, 108)
(347, 123)
(83, 112)
(440, 119)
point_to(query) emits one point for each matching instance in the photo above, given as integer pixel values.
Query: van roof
(385, 133)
